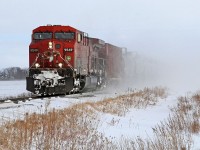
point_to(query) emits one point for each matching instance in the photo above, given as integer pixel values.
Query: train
(63, 59)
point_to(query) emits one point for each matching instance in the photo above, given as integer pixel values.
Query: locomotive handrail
(34, 61)
(67, 62)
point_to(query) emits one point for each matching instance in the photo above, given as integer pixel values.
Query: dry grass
(76, 127)
(71, 128)
(138, 99)
(176, 132)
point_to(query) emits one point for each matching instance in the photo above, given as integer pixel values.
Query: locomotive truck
(63, 59)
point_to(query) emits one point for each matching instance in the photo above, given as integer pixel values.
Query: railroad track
(25, 98)
(32, 97)
(29, 97)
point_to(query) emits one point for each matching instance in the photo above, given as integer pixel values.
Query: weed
(76, 127)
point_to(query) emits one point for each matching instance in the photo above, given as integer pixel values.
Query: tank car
(63, 59)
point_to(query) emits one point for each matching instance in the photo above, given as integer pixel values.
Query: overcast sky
(165, 29)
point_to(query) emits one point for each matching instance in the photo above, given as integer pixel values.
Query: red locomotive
(63, 59)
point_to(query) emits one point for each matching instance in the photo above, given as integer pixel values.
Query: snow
(48, 77)
(196, 140)
(135, 123)
(12, 88)
(10, 110)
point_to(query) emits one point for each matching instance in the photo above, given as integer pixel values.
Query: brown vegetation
(177, 131)
(76, 127)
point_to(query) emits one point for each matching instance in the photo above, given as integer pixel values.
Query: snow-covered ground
(10, 110)
(12, 88)
(136, 123)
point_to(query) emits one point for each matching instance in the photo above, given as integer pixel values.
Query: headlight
(37, 65)
(50, 45)
(60, 65)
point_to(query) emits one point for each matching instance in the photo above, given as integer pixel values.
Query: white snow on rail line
(10, 110)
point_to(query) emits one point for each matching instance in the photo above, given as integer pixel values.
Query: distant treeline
(13, 73)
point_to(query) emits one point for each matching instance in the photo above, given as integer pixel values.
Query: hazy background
(165, 31)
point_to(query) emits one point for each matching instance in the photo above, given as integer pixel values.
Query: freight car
(63, 59)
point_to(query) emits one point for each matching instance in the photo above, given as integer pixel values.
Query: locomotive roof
(54, 28)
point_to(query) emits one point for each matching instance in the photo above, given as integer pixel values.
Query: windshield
(64, 35)
(42, 35)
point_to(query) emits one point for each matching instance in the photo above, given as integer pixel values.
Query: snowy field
(12, 88)
(135, 123)
(10, 110)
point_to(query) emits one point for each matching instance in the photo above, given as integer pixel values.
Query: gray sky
(165, 29)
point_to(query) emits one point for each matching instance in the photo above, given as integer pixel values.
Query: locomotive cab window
(64, 35)
(42, 35)
(79, 38)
